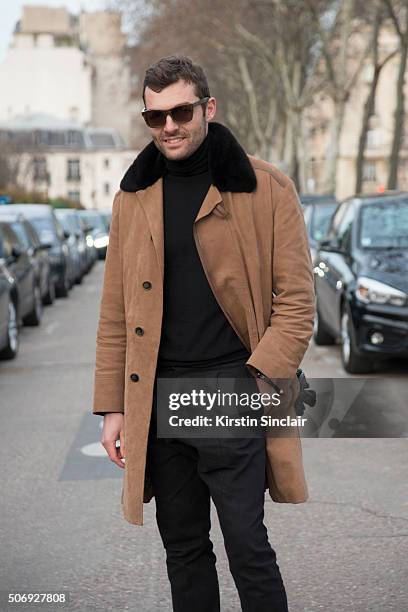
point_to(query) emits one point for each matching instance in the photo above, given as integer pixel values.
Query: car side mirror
(331, 244)
(324, 244)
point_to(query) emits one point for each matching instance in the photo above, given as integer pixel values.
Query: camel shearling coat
(251, 238)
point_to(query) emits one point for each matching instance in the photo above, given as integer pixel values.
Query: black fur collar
(230, 167)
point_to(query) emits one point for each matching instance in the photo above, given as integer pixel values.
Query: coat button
(147, 285)
(134, 377)
(139, 331)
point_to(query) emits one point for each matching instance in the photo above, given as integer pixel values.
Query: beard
(190, 143)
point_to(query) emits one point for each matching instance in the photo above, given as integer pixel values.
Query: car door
(4, 296)
(337, 265)
(39, 255)
(20, 267)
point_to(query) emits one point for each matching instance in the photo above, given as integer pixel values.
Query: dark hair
(173, 68)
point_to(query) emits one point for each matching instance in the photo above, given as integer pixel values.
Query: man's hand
(113, 429)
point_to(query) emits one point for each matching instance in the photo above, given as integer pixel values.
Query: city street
(62, 530)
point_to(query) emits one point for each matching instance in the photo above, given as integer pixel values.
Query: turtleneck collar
(197, 163)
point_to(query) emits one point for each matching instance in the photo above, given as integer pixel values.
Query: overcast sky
(10, 12)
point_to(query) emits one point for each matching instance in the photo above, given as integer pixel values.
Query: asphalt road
(62, 530)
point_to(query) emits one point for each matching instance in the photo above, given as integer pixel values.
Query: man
(208, 273)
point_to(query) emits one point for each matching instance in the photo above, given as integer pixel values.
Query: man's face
(179, 141)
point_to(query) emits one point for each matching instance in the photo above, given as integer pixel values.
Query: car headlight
(89, 241)
(372, 291)
(101, 242)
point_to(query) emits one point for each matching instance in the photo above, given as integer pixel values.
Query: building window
(106, 163)
(369, 172)
(106, 188)
(40, 169)
(74, 138)
(74, 195)
(73, 170)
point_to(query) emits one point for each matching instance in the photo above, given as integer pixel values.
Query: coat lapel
(211, 200)
(151, 200)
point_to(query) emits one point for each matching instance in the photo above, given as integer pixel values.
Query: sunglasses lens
(182, 114)
(155, 118)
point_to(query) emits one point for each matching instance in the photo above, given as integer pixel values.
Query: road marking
(87, 459)
(95, 449)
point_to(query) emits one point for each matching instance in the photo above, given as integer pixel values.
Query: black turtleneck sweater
(195, 331)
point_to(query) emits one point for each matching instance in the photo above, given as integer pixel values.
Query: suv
(361, 281)
(35, 251)
(13, 254)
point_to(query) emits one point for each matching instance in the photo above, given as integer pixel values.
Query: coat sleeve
(285, 340)
(109, 378)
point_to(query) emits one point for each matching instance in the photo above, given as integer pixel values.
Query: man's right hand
(113, 429)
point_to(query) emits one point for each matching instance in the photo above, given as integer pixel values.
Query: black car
(361, 280)
(53, 237)
(35, 251)
(318, 211)
(9, 330)
(15, 257)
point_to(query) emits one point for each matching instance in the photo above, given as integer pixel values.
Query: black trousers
(186, 474)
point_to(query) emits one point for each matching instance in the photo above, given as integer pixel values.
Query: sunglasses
(179, 114)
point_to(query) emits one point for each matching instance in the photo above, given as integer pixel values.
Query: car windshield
(67, 222)
(321, 220)
(384, 225)
(46, 229)
(20, 231)
(95, 221)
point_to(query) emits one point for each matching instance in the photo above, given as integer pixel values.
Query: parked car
(53, 237)
(9, 329)
(99, 231)
(361, 280)
(36, 252)
(318, 211)
(28, 293)
(76, 241)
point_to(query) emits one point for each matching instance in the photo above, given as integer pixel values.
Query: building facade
(65, 159)
(69, 67)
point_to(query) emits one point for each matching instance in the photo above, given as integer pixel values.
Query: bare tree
(262, 59)
(291, 54)
(206, 32)
(13, 163)
(398, 12)
(344, 62)
(369, 106)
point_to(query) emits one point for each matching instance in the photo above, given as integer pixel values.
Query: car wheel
(64, 286)
(50, 295)
(11, 348)
(353, 362)
(34, 317)
(79, 277)
(321, 334)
